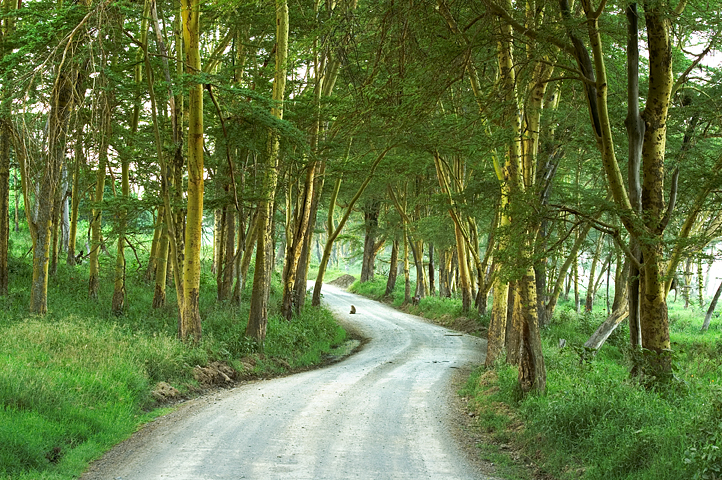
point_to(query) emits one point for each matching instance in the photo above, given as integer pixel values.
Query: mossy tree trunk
(190, 319)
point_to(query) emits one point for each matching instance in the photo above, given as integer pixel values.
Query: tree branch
(672, 202)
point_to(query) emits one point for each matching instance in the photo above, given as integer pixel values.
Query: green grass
(79, 380)
(596, 423)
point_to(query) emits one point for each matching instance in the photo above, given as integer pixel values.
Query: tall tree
(258, 316)
(190, 317)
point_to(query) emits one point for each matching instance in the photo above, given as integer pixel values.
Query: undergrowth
(79, 380)
(595, 422)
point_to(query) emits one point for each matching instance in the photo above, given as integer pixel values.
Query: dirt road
(379, 414)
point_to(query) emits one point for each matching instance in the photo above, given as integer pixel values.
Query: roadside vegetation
(81, 379)
(595, 421)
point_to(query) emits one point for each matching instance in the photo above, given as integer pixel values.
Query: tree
(190, 319)
(258, 316)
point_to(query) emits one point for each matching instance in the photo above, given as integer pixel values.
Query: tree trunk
(589, 303)
(712, 306)
(258, 316)
(161, 260)
(75, 200)
(4, 204)
(371, 222)
(295, 239)
(226, 286)
(40, 228)
(532, 372)
(190, 319)
(407, 277)
(218, 238)
(562, 273)
(334, 232)
(393, 269)
(305, 260)
(607, 327)
(152, 257)
(514, 325)
(432, 282)
(97, 213)
(496, 336)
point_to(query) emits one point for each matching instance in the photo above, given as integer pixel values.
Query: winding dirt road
(382, 413)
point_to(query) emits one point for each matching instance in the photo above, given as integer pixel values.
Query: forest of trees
(489, 144)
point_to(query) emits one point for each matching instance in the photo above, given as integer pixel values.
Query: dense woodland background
(509, 155)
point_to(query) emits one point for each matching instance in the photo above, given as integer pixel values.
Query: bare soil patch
(344, 281)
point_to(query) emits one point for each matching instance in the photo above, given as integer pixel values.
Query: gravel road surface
(381, 413)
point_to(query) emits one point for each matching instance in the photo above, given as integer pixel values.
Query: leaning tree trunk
(712, 306)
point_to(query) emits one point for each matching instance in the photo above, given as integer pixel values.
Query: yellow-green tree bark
(190, 318)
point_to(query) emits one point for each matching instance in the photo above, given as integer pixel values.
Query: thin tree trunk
(4, 204)
(712, 306)
(258, 316)
(154, 244)
(190, 318)
(97, 213)
(407, 277)
(75, 200)
(371, 222)
(589, 303)
(432, 282)
(334, 232)
(161, 260)
(229, 258)
(393, 269)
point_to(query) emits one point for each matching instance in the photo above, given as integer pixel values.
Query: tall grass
(595, 422)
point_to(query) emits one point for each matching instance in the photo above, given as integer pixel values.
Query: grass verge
(595, 422)
(79, 380)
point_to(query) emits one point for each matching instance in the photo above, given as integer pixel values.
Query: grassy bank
(80, 380)
(597, 423)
